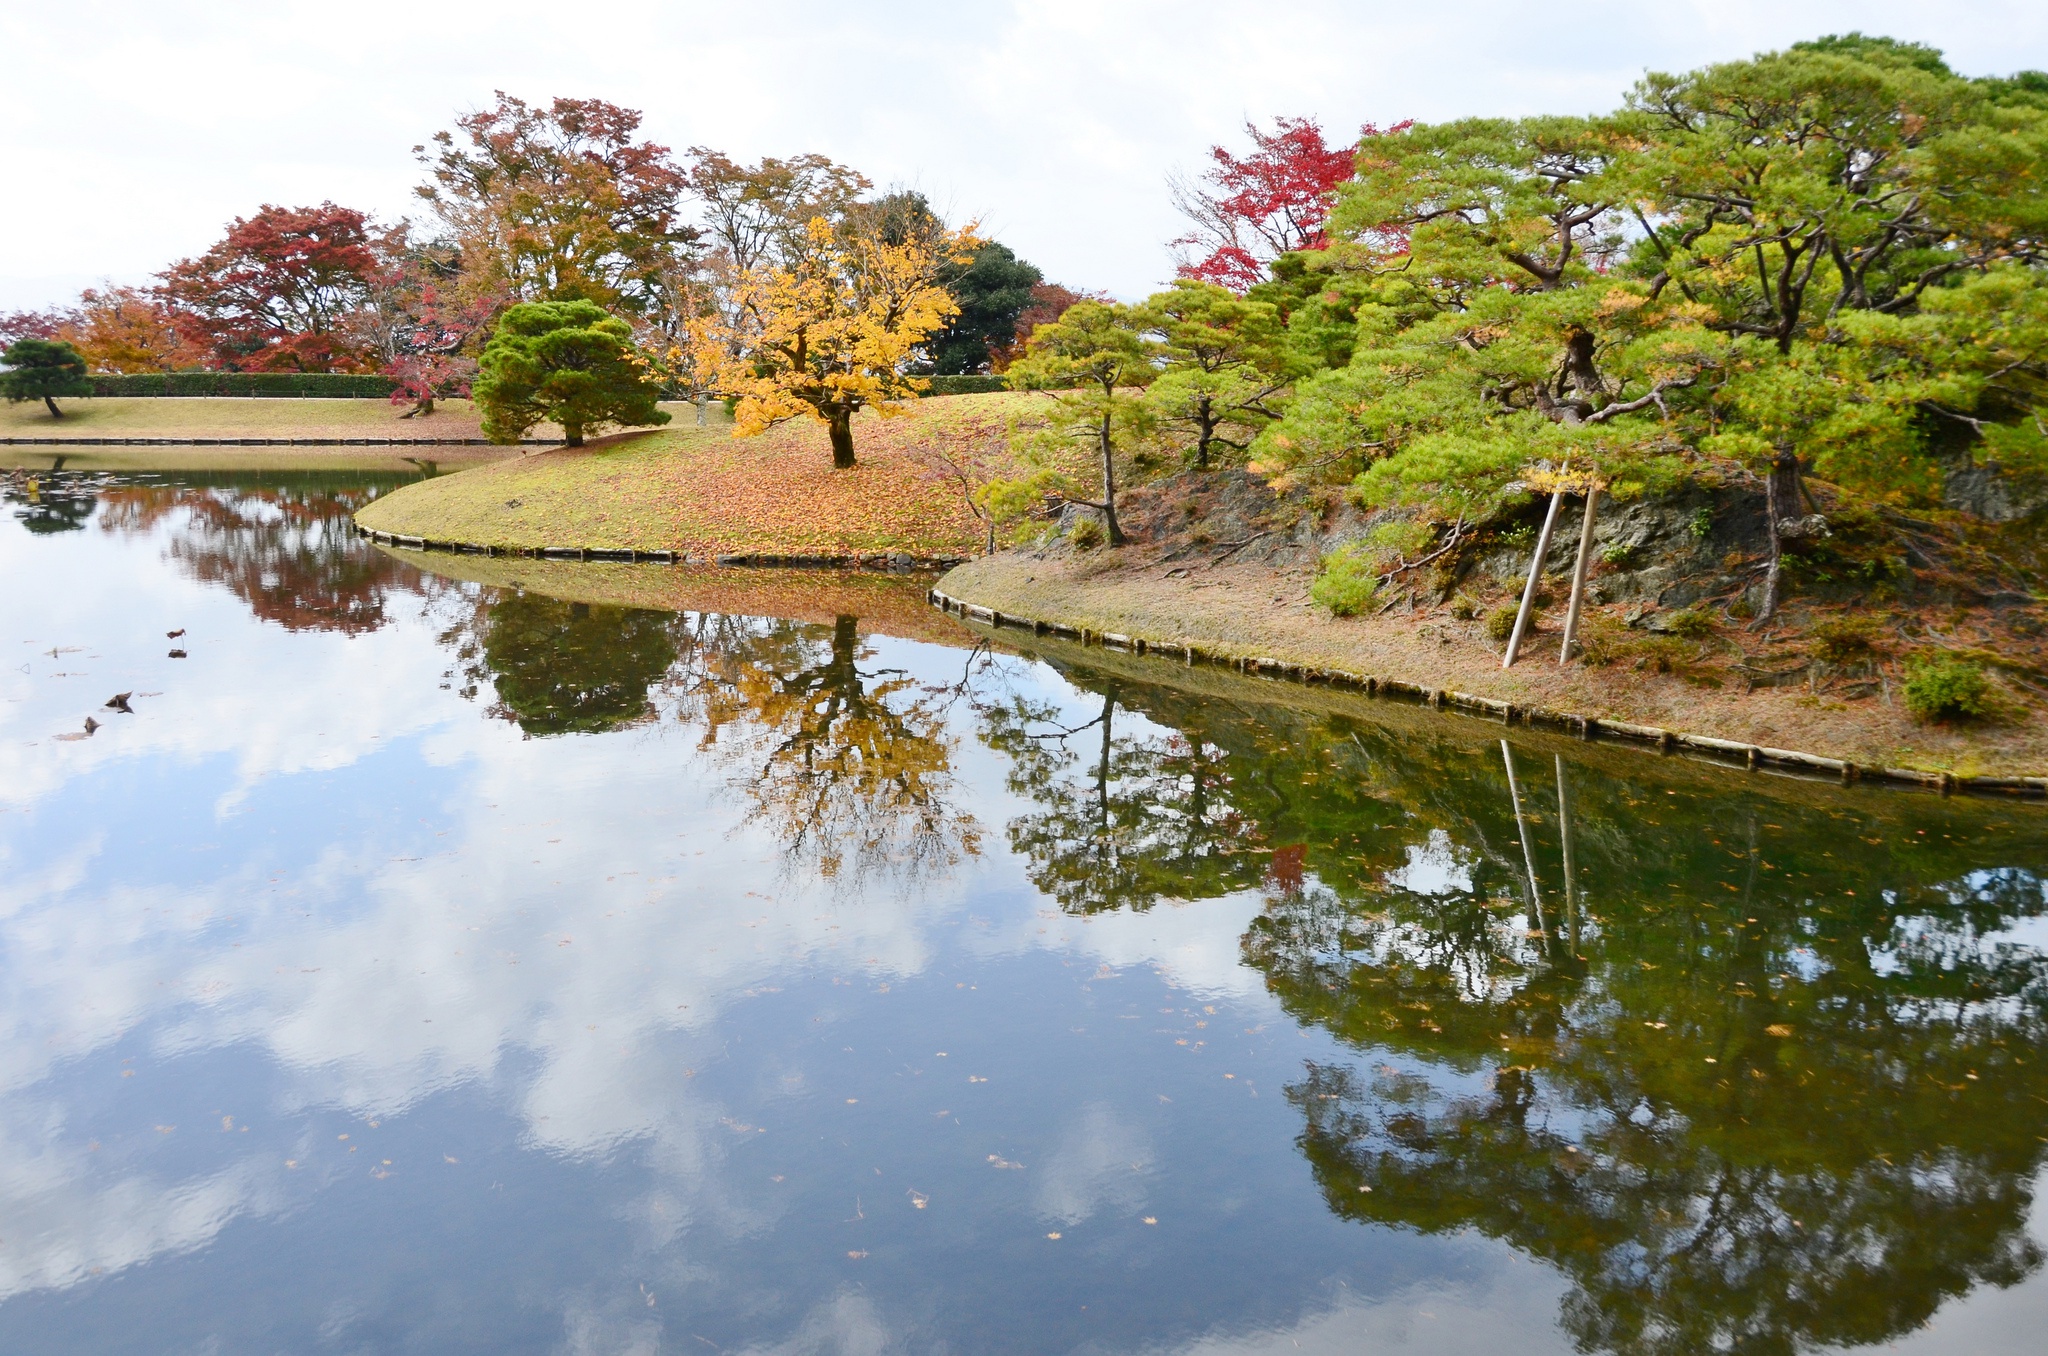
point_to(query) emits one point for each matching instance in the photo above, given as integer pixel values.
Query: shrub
(1087, 533)
(1701, 525)
(1841, 639)
(1345, 584)
(1500, 623)
(1601, 642)
(1946, 687)
(1520, 535)
(973, 383)
(1464, 607)
(1618, 553)
(1401, 539)
(1691, 622)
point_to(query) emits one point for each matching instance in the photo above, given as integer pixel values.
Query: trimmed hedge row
(977, 384)
(315, 385)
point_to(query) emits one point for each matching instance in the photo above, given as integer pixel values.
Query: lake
(441, 958)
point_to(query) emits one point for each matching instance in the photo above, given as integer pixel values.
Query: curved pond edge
(1725, 752)
(894, 561)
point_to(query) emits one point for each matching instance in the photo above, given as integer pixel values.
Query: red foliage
(31, 325)
(1250, 210)
(278, 293)
(1049, 301)
(1289, 868)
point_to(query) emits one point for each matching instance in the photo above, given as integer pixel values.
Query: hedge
(980, 383)
(330, 385)
(353, 386)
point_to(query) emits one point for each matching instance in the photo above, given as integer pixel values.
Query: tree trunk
(572, 435)
(1116, 533)
(1535, 577)
(55, 413)
(1206, 433)
(1781, 497)
(840, 424)
(1585, 561)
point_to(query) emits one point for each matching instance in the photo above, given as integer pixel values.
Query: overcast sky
(130, 133)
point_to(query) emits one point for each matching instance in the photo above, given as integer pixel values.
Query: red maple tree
(1250, 210)
(278, 293)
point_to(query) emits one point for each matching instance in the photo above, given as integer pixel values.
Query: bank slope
(1253, 610)
(708, 494)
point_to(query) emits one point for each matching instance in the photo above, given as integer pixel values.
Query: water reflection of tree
(49, 504)
(1773, 1082)
(286, 548)
(1125, 814)
(560, 667)
(849, 766)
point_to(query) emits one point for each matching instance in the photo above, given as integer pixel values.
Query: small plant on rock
(1946, 687)
(1345, 584)
(1840, 640)
(1086, 534)
(1691, 622)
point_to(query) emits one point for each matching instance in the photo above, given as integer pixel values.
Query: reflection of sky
(321, 989)
(334, 1015)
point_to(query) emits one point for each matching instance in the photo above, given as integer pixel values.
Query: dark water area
(441, 966)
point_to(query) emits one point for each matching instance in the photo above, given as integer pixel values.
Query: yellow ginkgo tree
(833, 327)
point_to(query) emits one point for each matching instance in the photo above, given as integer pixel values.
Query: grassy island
(703, 492)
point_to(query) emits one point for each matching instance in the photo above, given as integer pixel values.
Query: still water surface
(443, 966)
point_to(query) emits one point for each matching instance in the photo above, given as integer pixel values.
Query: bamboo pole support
(1585, 561)
(1535, 577)
(1564, 828)
(1522, 831)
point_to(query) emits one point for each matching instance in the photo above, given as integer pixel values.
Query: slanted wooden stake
(1535, 577)
(1507, 755)
(1571, 616)
(1564, 828)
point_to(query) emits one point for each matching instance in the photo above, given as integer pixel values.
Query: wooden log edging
(1725, 752)
(889, 561)
(271, 442)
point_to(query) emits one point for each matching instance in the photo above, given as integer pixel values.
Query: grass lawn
(707, 493)
(229, 417)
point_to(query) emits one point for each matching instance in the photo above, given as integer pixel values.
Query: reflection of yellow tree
(850, 768)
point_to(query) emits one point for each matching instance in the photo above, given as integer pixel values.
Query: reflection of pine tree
(50, 504)
(561, 667)
(1144, 818)
(1862, 1147)
(1859, 1149)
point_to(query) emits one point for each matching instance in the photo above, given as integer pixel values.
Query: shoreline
(889, 562)
(1248, 618)
(1721, 752)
